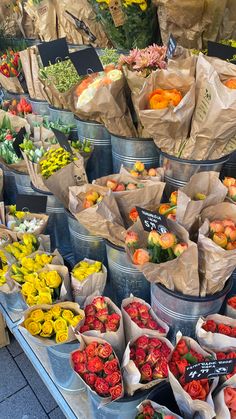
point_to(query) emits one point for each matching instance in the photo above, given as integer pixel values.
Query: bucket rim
(38, 101)
(17, 172)
(40, 191)
(89, 122)
(69, 214)
(15, 93)
(223, 159)
(199, 299)
(58, 109)
(131, 138)
(114, 246)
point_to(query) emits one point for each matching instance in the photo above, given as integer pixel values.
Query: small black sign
(225, 52)
(86, 61)
(152, 221)
(53, 51)
(171, 46)
(21, 78)
(19, 140)
(209, 369)
(62, 139)
(31, 203)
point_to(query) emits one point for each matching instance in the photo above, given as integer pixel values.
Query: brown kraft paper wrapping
(103, 219)
(180, 274)
(215, 263)
(44, 15)
(216, 341)
(168, 127)
(29, 60)
(188, 209)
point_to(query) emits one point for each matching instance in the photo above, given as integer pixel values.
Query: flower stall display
(225, 401)
(151, 410)
(230, 184)
(25, 222)
(51, 324)
(139, 172)
(17, 107)
(97, 364)
(103, 319)
(10, 70)
(145, 362)
(191, 395)
(139, 318)
(87, 278)
(216, 331)
(216, 246)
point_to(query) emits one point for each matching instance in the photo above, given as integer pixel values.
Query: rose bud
(116, 391)
(111, 184)
(113, 378)
(120, 188)
(167, 240)
(80, 368)
(175, 356)
(101, 386)
(144, 310)
(227, 223)
(104, 350)
(209, 326)
(140, 356)
(233, 332)
(90, 378)
(153, 238)
(140, 324)
(79, 357)
(89, 320)
(146, 373)
(220, 239)
(149, 411)
(139, 166)
(182, 347)
(199, 357)
(231, 246)
(221, 355)
(224, 329)
(111, 366)
(163, 208)
(133, 215)
(195, 390)
(232, 192)
(132, 311)
(216, 226)
(165, 350)
(179, 249)
(171, 217)
(132, 353)
(99, 303)
(181, 365)
(229, 181)
(111, 327)
(232, 302)
(91, 349)
(102, 314)
(95, 365)
(90, 310)
(160, 370)
(97, 325)
(230, 233)
(152, 324)
(174, 197)
(140, 257)
(131, 239)
(114, 318)
(142, 342)
(173, 368)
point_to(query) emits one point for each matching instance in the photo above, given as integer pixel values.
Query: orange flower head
(174, 197)
(229, 181)
(232, 193)
(134, 173)
(232, 301)
(111, 184)
(133, 215)
(153, 238)
(92, 196)
(131, 187)
(163, 208)
(167, 240)
(230, 233)
(140, 257)
(230, 83)
(171, 216)
(180, 248)
(228, 222)
(131, 239)
(216, 226)
(164, 98)
(152, 172)
(220, 239)
(139, 166)
(231, 246)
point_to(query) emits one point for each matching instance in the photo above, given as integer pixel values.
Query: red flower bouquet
(231, 307)
(145, 362)
(98, 366)
(10, 70)
(217, 332)
(151, 410)
(139, 318)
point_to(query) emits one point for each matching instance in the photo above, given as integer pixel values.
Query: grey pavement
(23, 395)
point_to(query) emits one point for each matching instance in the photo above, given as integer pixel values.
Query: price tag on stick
(171, 46)
(63, 140)
(86, 61)
(53, 51)
(152, 221)
(31, 203)
(19, 140)
(209, 369)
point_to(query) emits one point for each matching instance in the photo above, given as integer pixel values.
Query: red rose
(153, 356)
(113, 318)
(104, 350)
(205, 384)
(111, 327)
(161, 369)
(165, 350)
(233, 332)
(181, 365)
(132, 311)
(182, 347)
(146, 373)
(140, 356)
(80, 368)
(90, 310)
(101, 386)
(140, 323)
(91, 349)
(220, 355)
(111, 366)
(99, 303)
(95, 365)
(224, 329)
(231, 355)
(175, 356)
(173, 368)
(160, 329)
(90, 320)
(142, 342)
(210, 326)
(102, 314)
(155, 343)
(143, 309)
(84, 328)
(151, 324)
(148, 410)
(113, 378)
(79, 357)
(97, 325)
(90, 379)
(196, 390)
(115, 391)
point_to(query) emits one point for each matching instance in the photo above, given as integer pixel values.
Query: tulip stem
(171, 253)
(169, 210)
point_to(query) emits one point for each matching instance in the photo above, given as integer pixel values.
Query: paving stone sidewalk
(23, 394)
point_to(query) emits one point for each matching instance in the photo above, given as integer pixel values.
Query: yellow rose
(56, 311)
(27, 263)
(43, 259)
(67, 315)
(48, 315)
(28, 289)
(60, 324)
(37, 315)
(31, 300)
(47, 329)
(44, 298)
(34, 328)
(53, 279)
(27, 322)
(76, 319)
(30, 277)
(40, 285)
(62, 336)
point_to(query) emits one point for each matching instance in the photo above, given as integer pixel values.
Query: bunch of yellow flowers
(83, 269)
(55, 160)
(23, 271)
(53, 323)
(41, 288)
(4, 269)
(25, 247)
(18, 214)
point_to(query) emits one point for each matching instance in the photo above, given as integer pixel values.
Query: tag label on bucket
(53, 51)
(19, 140)
(152, 221)
(209, 369)
(62, 139)
(31, 203)
(171, 46)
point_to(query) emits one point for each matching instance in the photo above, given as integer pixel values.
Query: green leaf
(6, 123)
(190, 358)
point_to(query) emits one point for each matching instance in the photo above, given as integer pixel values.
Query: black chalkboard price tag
(224, 52)
(209, 369)
(62, 139)
(171, 46)
(21, 78)
(86, 61)
(53, 51)
(31, 203)
(152, 221)
(19, 140)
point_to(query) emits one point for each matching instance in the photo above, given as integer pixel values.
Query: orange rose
(133, 215)
(216, 226)
(164, 98)
(230, 233)
(229, 181)
(196, 390)
(140, 257)
(232, 302)
(167, 240)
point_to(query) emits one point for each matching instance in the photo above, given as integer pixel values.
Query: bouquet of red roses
(98, 366)
(103, 319)
(151, 410)
(216, 331)
(194, 396)
(145, 362)
(139, 318)
(225, 402)
(227, 354)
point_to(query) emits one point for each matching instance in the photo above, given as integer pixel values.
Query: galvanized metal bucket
(229, 168)
(181, 312)
(100, 162)
(39, 107)
(11, 95)
(125, 408)
(61, 115)
(124, 277)
(177, 172)
(84, 244)
(15, 302)
(127, 151)
(163, 395)
(232, 291)
(23, 185)
(64, 376)
(9, 190)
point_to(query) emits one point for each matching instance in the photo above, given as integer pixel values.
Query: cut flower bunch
(26, 269)
(10, 64)
(100, 316)
(21, 221)
(230, 183)
(213, 327)
(15, 107)
(147, 411)
(19, 249)
(223, 233)
(55, 160)
(140, 315)
(145, 60)
(83, 269)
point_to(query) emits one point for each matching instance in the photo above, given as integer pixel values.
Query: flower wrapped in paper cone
(225, 400)
(29, 59)
(150, 408)
(216, 332)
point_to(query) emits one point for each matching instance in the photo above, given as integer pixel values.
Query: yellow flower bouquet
(52, 324)
(25, 222)
(26, 246)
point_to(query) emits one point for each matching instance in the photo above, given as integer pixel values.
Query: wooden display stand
(4, 337)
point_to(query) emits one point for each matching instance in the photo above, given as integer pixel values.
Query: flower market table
(73, 404)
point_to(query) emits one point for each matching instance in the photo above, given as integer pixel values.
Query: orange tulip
(163, 208)
(133, 215)
(180, 248)
(231, 246)
(167, 240)
(152, 172)
(216, 226)
(134, 173)
(230, 233)
(131, 239)
(111, 184)
(140, 257)
(220, 239)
